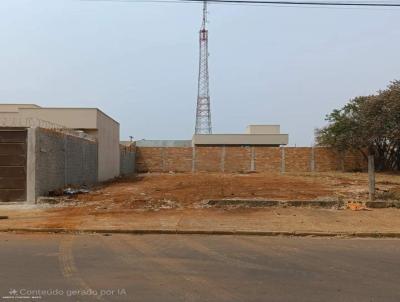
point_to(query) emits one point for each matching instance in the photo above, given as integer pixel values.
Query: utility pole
(371, 177)
(203, 111)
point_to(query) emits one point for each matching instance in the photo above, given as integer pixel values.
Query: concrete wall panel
(127, 160)
(63, 160)
(109, 152)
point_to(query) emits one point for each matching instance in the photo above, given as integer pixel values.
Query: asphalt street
(48, 267)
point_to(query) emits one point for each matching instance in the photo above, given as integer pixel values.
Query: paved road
(197, 268)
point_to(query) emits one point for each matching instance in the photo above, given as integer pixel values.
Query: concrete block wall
(62, 160)
(233, 159)
(127, 160)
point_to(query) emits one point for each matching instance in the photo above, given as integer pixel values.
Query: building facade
(90, 121)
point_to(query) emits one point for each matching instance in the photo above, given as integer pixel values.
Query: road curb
(204, 232)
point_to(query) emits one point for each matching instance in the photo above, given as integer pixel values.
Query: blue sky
(138, 62)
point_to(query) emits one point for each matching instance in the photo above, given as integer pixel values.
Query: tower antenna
(203, 111)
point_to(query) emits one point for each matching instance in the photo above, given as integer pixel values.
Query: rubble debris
(49, 200)
(59, 200)
(356, 206)
(73, 191)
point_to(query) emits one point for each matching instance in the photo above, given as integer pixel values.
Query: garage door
(12, 164)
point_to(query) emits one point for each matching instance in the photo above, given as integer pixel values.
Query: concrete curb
(262, 203)
(205, 232)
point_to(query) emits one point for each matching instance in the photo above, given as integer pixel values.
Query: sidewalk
(271, 221)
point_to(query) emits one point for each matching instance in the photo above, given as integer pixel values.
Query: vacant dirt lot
(187, 190)
(176, 201)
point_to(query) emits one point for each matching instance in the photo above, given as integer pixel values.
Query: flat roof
(17, 104)
(263, 125)
(73, 108)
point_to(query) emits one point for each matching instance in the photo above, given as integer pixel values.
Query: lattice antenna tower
(203, 111)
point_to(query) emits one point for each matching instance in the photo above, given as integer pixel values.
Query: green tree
(369, 124)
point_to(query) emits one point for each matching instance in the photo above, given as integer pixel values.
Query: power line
(348, 3)
(268, 2)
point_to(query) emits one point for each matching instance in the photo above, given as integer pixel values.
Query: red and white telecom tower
(203, 111)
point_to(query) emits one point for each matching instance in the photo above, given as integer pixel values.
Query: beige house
(91, 121)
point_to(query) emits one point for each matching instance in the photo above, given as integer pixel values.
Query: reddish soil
(161, 200)
(188, 188)
(154, 192)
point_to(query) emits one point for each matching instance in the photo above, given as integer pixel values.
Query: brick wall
(238, 159)
(244, 159)
(353, 161)
(149, 159)
(208, 159)
(268, 159)
(298, 159)
(327, 160)
(178, 159)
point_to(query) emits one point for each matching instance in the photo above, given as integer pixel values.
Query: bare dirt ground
(187, 190)
(173, 201)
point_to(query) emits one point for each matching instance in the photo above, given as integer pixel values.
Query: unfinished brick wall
(353, 161)
(208, 159)
(178, 159)
(267, 159)
(327, 160)
(233, 159)
(298, 159)
(237, 159)
(149, 160)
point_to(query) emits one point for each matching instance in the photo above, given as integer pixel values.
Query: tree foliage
(370, 124)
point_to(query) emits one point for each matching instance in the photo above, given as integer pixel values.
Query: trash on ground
(73, 191)
(357, 206)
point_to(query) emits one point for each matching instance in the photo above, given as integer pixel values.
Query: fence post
(223, 152)
(31, 165)
(371, 177)
(312, 159)
(253, 159)
(283, 164)
(193, 159)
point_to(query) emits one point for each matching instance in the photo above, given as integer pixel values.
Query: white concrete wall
(108, 141)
